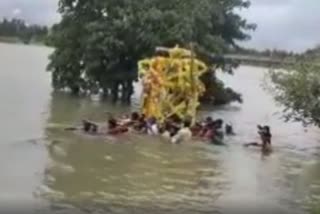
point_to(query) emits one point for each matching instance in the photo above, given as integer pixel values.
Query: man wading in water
(266, 136)
(184, 134)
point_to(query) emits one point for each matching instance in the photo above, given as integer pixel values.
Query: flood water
(44, 167)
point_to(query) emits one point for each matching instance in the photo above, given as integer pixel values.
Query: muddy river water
(44, 167)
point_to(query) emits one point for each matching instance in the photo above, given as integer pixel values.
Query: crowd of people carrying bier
(174, 129)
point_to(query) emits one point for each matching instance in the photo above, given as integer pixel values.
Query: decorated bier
(171, 84)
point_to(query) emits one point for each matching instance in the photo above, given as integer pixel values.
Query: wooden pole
(192, 82)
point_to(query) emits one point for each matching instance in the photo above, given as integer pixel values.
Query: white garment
(166, 136)
(124, 121)
(153, 130)
(183, 135)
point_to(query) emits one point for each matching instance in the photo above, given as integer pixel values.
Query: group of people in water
(174, 129)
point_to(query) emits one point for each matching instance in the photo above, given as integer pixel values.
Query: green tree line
(17, 28)
(272, 53)
(98, 42)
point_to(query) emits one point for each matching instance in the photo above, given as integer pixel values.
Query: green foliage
(98, 42)
(298, 89)
(312, 54)
(19, 29)
(216, 93)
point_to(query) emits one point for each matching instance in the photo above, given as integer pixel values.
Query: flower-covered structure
(171, 84)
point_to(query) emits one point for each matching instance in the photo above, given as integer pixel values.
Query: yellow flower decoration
(171, 84)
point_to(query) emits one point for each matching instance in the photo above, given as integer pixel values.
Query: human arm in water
(114, 128)
(87, 126)
(255, 144)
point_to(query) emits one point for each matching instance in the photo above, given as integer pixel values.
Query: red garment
(209, 134)
(196, 131)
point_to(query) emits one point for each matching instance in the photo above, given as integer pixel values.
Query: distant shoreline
(5, 39)
(16, 40)
(242, 59)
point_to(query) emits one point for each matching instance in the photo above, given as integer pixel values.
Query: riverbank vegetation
(98, 43)
(297, 88)
(18, 31)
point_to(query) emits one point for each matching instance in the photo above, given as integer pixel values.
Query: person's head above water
(218, 123)
(135, 116)
(263, 128)
(209, 120)
(142, 118)
(166, 126)
(112, 123)
(175, 118)
(152, 120)
(267, 129)
(229, 128)
(187, 124)
(264, 132)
